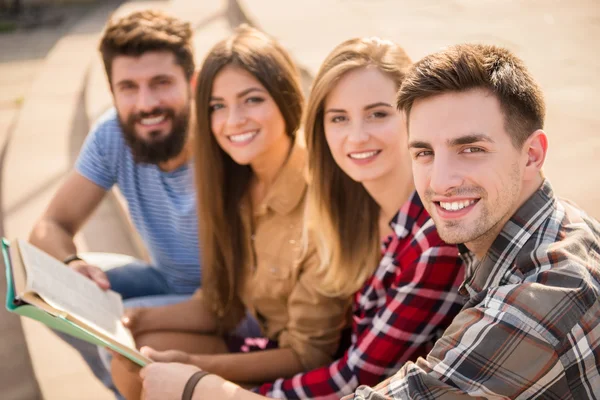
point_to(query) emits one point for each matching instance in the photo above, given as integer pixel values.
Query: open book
(42, 288)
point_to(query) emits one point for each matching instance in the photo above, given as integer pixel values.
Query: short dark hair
(471, 66)
(144, 31)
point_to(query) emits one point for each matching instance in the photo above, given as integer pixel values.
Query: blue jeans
(143, 285)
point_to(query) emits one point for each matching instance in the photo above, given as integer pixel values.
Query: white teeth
(456, 205)
(153, 121)
(243, 137)
(361, 156)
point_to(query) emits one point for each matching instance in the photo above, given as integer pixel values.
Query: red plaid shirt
(398, 314)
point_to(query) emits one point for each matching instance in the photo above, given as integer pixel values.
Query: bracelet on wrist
(71, 258)
(188, 391)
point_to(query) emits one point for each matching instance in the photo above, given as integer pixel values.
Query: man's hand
(92, 272)
(165, 381)
(169, 356)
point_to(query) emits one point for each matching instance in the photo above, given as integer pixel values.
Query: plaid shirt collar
(496, 267)
(408, 215)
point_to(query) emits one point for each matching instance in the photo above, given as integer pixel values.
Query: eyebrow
(459, 141)
(161, 76)
(469, 139)
(418, 144)
(125, 82)
(152, 79)
(368, 107)
(240, 94)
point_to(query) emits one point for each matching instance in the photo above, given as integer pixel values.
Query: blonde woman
(252, 188)
(361, 194)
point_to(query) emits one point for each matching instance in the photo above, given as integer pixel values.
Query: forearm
(215, 387)
(53, 239)
(189, 316)
(260, 366)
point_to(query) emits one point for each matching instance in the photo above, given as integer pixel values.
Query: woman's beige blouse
(281, 285)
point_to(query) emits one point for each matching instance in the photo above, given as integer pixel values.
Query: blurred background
(52, 87)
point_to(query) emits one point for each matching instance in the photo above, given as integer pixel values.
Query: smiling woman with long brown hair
(250, 175)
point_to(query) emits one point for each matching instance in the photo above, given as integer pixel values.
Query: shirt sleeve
(97, 160)
(485, 353)
(417, 306)
(315, 321)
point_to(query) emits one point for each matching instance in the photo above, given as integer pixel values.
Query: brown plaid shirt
(531, 325)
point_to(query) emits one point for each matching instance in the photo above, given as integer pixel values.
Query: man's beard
(161, 150)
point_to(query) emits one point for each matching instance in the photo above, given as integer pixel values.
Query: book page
(69, 291)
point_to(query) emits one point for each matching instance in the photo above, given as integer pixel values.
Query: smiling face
(152, 97)
(467, 170)
(364, 131)
(245, 119)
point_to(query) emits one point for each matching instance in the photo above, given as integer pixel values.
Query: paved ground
(47, 103)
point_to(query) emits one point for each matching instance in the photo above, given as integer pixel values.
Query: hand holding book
(43, 288)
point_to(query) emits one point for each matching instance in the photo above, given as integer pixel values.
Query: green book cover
(56, 322)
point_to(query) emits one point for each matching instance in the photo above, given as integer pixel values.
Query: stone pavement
(556, 39)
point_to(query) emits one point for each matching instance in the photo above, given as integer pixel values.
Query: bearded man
(142, 146)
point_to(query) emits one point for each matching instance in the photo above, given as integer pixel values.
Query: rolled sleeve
(481, 353)
(315, 321)
(99, 155)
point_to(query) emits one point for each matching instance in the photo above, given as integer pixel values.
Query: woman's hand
(135, 319)
(165, 381)
(168, 356)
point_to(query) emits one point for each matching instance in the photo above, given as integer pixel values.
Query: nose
(147, 100)
(358, 134)
(236, 117)
(445, 175)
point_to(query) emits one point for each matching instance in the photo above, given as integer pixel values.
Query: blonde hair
(340, 211)
(222, 183)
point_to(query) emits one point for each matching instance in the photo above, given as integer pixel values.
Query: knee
(126, 380)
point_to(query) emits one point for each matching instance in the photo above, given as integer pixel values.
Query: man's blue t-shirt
(162, 204)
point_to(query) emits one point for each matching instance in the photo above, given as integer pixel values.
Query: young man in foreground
(531, 325)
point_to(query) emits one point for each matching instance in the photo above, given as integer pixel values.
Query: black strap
(191, 384)
(71, 258)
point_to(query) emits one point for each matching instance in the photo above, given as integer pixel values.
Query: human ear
(535, 148)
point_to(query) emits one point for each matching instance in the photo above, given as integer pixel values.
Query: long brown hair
(221, 182)
(341, 211)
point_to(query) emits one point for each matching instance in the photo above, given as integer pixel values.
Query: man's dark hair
(144, 31)
(475, 66)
